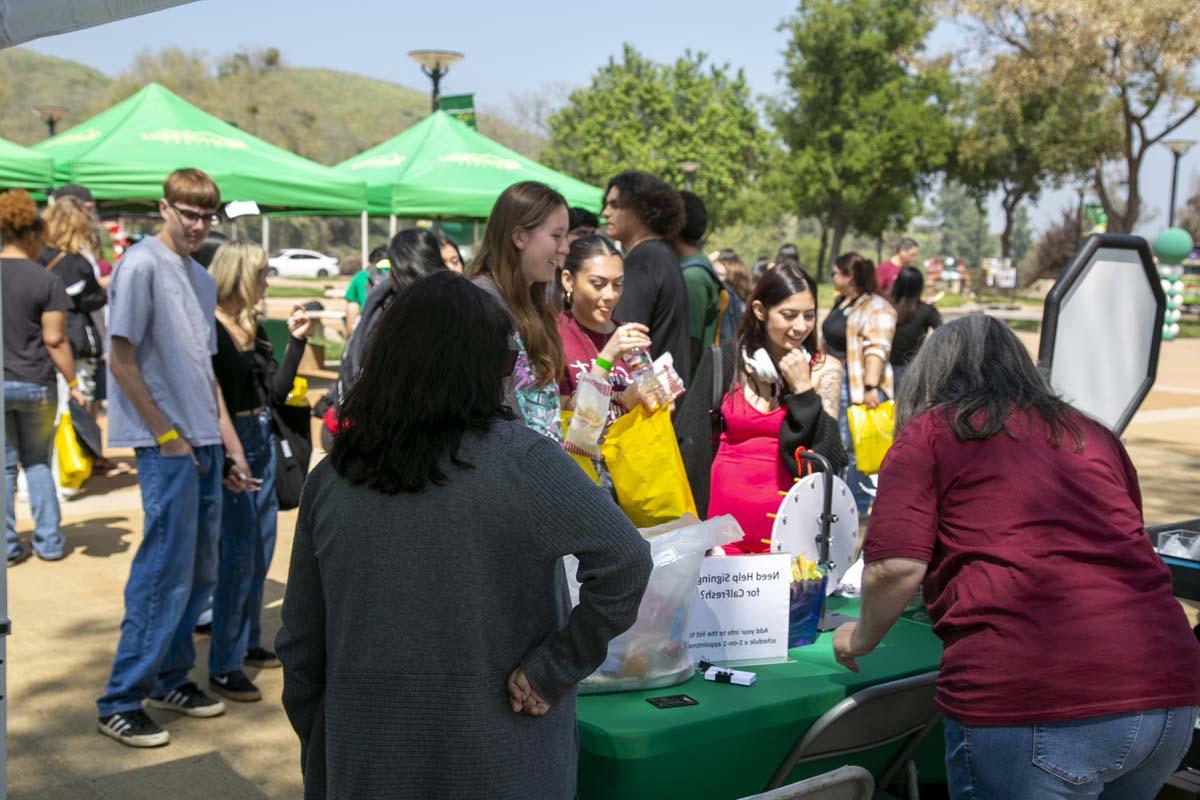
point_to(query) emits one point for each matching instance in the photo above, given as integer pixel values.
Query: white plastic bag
(654, 652)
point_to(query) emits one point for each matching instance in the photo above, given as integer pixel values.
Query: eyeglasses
(192, 217)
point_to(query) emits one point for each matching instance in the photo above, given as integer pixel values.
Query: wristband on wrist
(73, 383)
(169, 436)
(870, 388)
(604, 364)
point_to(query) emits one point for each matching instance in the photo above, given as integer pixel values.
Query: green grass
(296, 291)
(1189, 329)
(333, 350)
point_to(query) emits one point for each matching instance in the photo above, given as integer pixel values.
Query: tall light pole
(690, 168)
(435, 64)
(1177, 147)
(51, 116)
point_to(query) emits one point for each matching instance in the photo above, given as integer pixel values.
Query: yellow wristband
(169, 436)
(73, 383)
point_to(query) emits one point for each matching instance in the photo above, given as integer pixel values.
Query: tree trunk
(1012, 199)
(821, 254)
(839, 235)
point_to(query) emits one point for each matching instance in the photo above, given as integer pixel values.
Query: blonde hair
(69, 225)
(525, 206)
(235, 267)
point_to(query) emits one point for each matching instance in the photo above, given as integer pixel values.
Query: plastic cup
(804, 611)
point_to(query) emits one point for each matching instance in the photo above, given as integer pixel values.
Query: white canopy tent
(23, 20)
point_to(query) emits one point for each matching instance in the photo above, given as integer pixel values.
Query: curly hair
(656, 203)
(20, 224)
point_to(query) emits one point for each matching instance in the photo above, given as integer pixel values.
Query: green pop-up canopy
(22, 168)
(125, 153)
(443, 168)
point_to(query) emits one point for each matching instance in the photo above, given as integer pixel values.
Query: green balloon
(1173, 245)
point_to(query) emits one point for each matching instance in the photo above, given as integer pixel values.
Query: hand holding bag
(643, 458)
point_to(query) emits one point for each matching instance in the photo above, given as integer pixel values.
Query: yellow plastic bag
(872, 431)
(74, 462)
(643, 458)
(583, 461)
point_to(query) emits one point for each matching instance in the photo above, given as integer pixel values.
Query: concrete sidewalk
(66, 616)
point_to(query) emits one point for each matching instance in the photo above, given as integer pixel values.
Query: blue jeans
(854, 479)
(1119, 757)
(29, 441)
(247, 544)
(171, 578)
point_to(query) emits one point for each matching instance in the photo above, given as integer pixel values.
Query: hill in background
(321, 114)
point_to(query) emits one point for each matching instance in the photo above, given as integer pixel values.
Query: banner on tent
(460, 106)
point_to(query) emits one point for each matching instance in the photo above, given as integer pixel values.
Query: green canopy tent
(441, 168)
(22, 168)
(124, 154)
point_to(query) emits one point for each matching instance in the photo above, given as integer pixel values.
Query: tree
(1189, 218)
(1020, 236)
(863, 118)
(960, 226)
(1017, 141)
(1143, 54)
(637, 114)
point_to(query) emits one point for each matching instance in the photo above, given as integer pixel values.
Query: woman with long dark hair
(778, 392)
(914, 319)
(523, 248)
(425, 624)
(1068, 669)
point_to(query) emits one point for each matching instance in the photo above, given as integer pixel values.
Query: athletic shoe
(262, 658)
(234, 685)
(133, 729)
(188, 699)
(20, 557)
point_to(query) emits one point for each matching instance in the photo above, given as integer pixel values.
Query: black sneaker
(133, 729)
(235, 686)
(262, 658)
(188, 699)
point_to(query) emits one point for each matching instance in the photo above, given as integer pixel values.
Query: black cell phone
(672, 701)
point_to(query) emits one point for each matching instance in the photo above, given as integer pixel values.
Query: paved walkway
(66, 615)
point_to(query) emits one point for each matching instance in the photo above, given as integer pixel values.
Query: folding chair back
(845, 783)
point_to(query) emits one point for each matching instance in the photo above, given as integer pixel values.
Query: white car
(301, 264)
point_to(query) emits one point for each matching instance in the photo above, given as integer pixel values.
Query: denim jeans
(247, 544)
(29, 441)
(172, 575)
(854, 479)
(1119, 757)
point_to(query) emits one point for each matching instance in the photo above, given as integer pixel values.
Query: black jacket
(806, 424)
(86, 296)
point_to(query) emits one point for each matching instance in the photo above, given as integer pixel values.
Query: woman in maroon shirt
(1068, 668)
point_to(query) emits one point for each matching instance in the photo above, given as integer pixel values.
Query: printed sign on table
(741, 610)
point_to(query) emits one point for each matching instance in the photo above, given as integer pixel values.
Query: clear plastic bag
(654, 652)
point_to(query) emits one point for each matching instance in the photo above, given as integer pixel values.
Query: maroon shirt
(885, 275)
(580, 347)
(1043, 586)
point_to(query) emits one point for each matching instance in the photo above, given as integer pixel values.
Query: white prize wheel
(797, 528)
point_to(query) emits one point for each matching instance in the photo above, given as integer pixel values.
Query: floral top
(539, 406)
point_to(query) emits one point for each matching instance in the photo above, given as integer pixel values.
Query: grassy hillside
(321, 114)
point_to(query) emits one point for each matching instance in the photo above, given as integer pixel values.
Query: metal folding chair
(844, 783)
(899, 711)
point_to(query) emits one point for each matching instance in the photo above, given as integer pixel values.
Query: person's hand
(845, 647)
(176, 447)
(625, 340)
(79, 399)
(522, 698)
(796, 371)
(871, 398)
(240, 479)
(298, 322)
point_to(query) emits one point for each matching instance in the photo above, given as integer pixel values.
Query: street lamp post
(51, 116)
(690, 168)
(435, 64)
(1177, 147)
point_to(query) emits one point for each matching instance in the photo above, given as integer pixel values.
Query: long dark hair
(435, 370)
(524, 205)
(774, 287)
(906, 294)
(413, 254)
(977, 371)
(860, 269)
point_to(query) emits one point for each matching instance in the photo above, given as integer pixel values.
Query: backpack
(723, 296)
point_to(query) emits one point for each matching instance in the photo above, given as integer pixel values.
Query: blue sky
(511, 48)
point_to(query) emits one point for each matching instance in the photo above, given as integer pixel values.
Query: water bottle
(641, 367)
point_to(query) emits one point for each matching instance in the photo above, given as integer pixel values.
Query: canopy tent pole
(266, 233)
(363, 232)
(233, 232)
(474, 232)
(391, 226)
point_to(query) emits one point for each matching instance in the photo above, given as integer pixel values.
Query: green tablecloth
(729, 745)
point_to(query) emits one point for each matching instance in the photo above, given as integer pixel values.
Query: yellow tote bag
(872, 431)
(643, 458)
(583, 461)
(74, 462)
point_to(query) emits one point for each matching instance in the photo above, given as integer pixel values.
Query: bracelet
(73, 383)
(870, 388)
(169, 436)
(604, 364)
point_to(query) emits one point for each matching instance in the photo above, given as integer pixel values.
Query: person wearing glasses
(166, 404)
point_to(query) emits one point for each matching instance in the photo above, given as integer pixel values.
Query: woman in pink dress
(783, 395)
